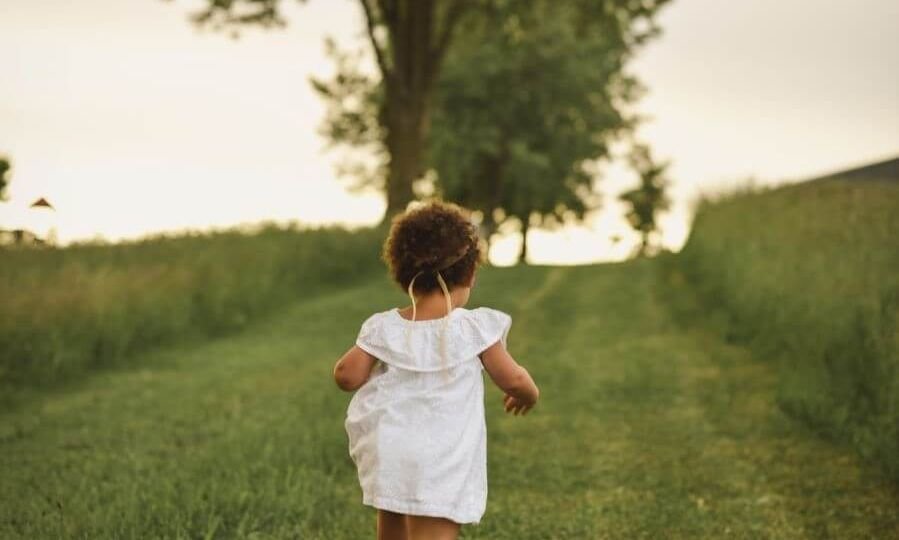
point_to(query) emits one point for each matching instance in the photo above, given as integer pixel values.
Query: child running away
(416, 423)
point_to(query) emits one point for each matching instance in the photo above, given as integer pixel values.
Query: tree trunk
(418, 34)
(406, 121)
(488, 229)
(644, 244)
(523, 255)
(408, 87)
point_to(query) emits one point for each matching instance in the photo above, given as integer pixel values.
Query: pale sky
(130, 121)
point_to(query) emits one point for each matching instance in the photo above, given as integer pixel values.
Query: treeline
(808, 277)
(66, 311)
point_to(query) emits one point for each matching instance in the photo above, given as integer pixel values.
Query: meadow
(645, 430)
(807, 276)
(681, 397)
(67, 312)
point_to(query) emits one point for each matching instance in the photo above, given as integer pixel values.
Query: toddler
(416, 423)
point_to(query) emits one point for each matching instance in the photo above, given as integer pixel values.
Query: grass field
(807, 276)
(66, 312)
(646, 429)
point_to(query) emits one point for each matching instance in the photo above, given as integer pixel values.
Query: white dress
(416, 428)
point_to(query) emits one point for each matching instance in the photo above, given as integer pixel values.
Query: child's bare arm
(353, 369)
(511, 378)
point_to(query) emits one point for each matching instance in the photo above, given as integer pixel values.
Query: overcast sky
(131, 121)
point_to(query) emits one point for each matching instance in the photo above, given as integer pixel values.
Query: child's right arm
(511, 378)
(353, 369)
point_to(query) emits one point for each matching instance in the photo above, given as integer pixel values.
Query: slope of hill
(887, 170)
(808, 276)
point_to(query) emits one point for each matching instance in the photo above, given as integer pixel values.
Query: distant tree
(409, 40)
(530, 101)
(649, 199)
(5, 167)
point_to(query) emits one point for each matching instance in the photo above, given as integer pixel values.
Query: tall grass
(67, 311)
(808, 276)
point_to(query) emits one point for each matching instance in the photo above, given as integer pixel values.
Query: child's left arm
(353, 369)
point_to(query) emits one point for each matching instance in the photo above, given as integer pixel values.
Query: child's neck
(431, 305)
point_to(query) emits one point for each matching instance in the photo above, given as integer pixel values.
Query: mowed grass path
(646, 429)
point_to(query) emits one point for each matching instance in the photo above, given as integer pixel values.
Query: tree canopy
(529, 103)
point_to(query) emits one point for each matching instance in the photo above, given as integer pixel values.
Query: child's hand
(516, 406)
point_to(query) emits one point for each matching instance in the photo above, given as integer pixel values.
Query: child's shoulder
(378, 318)
(387, 335)
(484, 326)
(480, 320)
(484, 313)
(380, 314)
(481, 313)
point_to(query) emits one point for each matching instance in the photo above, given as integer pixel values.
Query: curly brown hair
(436, 236)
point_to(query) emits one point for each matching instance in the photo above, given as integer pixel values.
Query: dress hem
(399, 506)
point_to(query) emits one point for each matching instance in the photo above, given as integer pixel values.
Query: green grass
(808, 277)
(65, 312)
(646, 429)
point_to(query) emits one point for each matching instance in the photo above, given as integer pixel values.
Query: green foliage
(645, 430)
(530, 101)
(5, 167)
(524, 106)
(232, 15)
(808, 276)
(68, 311)
(650, 198)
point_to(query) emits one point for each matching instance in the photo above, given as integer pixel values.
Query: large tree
(529, 103)
(409, 40)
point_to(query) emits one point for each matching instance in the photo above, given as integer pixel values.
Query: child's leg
(391, 526)
(431, 528)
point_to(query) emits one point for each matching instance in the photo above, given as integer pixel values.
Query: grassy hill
(808, 277)
(646, 429)
(882, 171)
